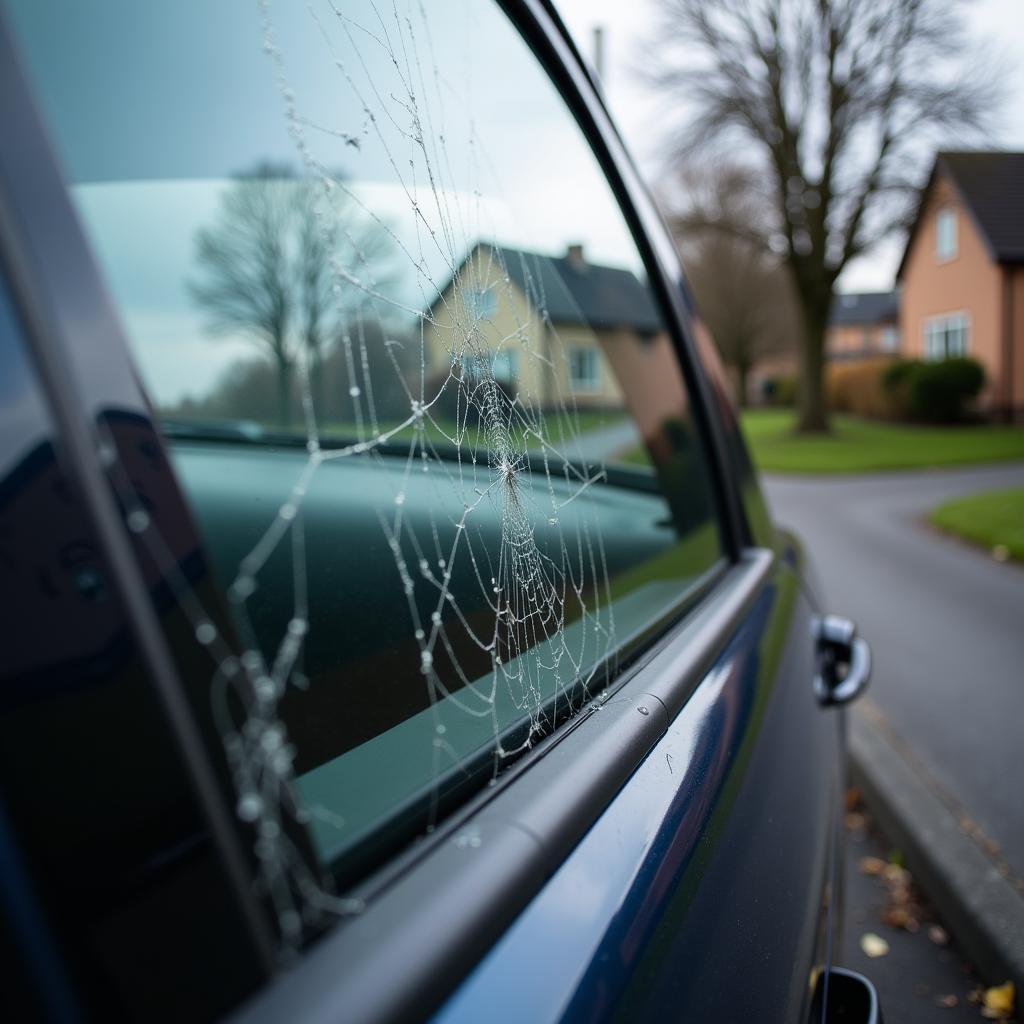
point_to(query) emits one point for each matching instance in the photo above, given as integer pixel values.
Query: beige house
(962, 273)
(551, 329)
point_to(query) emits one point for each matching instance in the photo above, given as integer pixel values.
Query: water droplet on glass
(206, 633)
(643, 710)
(138, 520)
(354, 391)
(250, 806)
(399, 499)
(265, 688)
(271, 739)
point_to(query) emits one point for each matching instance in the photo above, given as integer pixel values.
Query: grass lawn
(992, 519)
(856, 446)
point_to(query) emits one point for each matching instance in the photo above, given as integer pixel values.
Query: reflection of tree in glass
(279, 267)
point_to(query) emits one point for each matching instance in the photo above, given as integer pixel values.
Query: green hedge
(933, 392)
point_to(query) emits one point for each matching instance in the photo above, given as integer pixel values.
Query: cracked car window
(413, 382)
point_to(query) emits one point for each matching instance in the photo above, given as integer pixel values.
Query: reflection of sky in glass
(182, 97)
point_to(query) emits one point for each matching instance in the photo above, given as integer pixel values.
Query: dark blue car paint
(697, 894)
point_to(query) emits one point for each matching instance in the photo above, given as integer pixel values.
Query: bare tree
(247, 285)
(280, 266)
(836, 103)
(742, 289)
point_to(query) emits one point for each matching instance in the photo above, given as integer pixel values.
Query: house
(557, 330)
(962, 272)
(863, 324)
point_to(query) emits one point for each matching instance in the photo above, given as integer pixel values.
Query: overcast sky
(999, 25)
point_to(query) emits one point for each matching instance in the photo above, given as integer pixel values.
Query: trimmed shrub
(856, 387)
(940, 392)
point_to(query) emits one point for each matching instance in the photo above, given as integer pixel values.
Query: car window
(413, 379)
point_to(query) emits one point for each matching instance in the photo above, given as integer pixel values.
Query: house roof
(864, 308)
(574, 291)
(990, 184)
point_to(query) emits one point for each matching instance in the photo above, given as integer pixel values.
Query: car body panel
(697, 893)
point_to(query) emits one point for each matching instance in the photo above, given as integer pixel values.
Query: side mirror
(850, 999)
(843, 661)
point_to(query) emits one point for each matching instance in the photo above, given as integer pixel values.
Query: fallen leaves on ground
(873, 945)
(902, 909)
(997, 1002)
(871, 865)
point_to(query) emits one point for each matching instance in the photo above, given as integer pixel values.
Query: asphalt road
(945, 622)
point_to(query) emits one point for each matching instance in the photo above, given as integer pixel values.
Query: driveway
(945, 621)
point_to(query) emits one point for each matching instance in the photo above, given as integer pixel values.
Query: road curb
(981, 907)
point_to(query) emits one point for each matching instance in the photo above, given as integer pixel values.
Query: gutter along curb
(974, 893)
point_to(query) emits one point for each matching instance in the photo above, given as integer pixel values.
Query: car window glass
(412, 377)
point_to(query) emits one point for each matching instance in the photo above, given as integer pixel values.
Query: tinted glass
(109, 859)
(412, 377)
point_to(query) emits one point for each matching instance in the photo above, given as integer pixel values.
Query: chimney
(599, 54)
(574, 254)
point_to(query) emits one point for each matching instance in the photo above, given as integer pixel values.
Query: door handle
(842, 661)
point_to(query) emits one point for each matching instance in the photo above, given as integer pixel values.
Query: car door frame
(505, 843)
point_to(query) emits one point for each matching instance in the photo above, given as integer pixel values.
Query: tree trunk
(284, 387)
(316, 384)
(742, 378)
(812, 414)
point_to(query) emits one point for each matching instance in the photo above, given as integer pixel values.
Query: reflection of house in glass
(553, 330)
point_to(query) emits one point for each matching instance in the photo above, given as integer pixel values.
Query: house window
(480, 303)
(505, 365)
(947, 336)
(945, 235)
(584, 369)
(890, 338)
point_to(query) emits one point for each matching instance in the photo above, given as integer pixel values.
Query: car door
(471, 678)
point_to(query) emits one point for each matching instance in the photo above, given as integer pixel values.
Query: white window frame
(946, 240)
(591, 382)
(946, 326)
